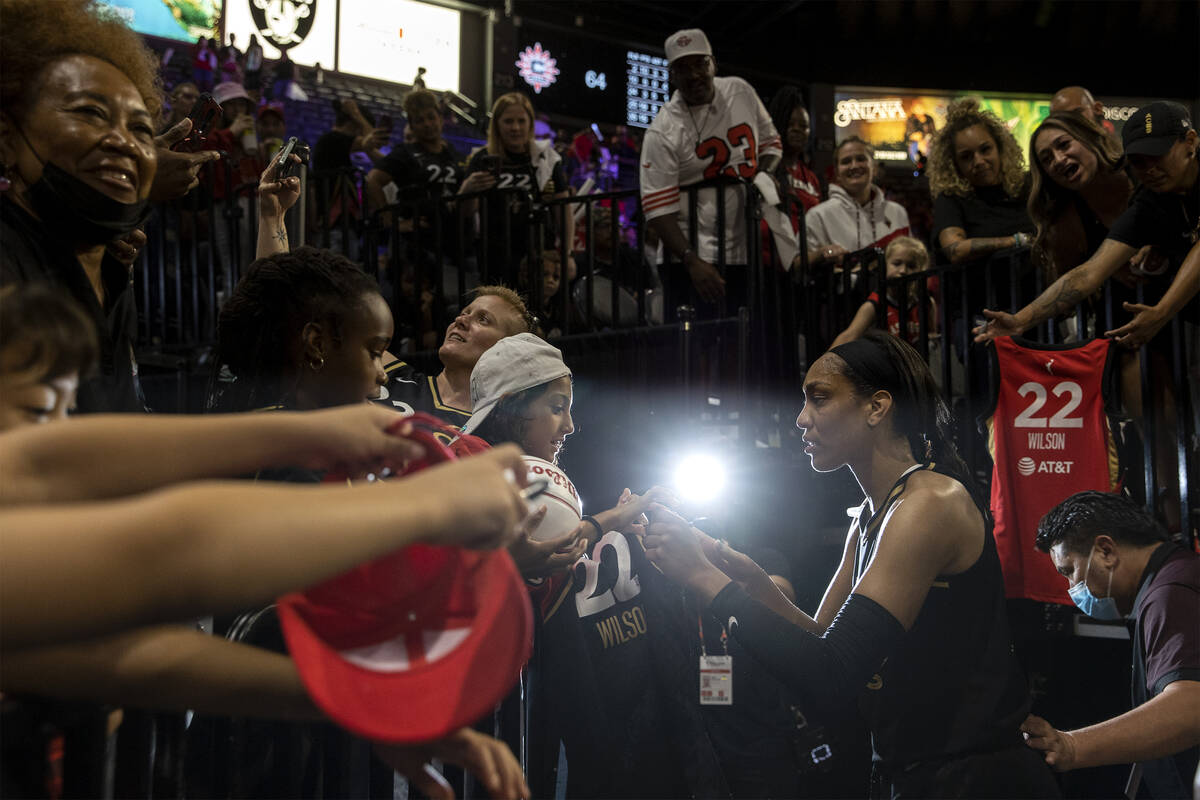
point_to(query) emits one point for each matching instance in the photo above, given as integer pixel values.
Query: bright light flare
(700, 477)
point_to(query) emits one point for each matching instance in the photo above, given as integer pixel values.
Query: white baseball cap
(688, 42)
(224, 92)
(511, 365)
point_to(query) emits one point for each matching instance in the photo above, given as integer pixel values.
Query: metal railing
(628, 318)
(1160, 407)
(429, 250)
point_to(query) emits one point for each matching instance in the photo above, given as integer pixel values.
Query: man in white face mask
(1119, 562)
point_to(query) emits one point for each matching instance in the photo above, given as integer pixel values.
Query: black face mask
(73, 209)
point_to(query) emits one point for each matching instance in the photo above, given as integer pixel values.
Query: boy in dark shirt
(428, 162)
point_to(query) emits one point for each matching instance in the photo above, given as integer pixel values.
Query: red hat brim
(432, 699)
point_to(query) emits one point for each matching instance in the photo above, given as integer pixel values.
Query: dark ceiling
(1115, 48)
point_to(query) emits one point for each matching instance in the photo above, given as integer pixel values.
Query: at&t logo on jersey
(537, 67)
(1027, 466)
(1048, 438)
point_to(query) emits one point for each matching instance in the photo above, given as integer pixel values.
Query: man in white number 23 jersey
(711, 127)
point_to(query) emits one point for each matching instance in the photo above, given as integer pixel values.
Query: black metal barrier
(429, 250)
(937, 309)
(628, 322)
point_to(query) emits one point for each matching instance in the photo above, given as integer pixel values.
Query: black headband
(870, 362)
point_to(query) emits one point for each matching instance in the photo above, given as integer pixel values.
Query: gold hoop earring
(316, 367)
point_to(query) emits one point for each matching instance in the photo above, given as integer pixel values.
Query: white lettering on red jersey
(687, 144)
(1050, 437)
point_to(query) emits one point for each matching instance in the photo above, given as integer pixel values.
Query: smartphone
(284, 167)
(491, 163)
(204, 116)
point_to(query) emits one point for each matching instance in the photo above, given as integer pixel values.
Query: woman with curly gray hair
(979, 184)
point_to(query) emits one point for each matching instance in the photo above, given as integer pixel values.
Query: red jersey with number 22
(1049, 437)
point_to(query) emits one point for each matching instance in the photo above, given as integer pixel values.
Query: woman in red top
(799, 186)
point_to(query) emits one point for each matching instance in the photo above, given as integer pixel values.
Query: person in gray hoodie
(857, 214)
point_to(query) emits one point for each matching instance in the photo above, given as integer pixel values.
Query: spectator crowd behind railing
(428, 252)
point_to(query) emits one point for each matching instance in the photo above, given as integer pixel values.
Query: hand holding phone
(204, 116)
(491, 164)
(284, 166)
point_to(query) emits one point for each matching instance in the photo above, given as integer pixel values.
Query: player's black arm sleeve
(827, 671)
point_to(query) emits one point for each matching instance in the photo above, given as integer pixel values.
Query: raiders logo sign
(283, 23)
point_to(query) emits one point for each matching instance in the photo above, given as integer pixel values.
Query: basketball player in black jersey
(913, 624)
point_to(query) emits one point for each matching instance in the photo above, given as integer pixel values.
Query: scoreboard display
(569, 73)
(647, 88)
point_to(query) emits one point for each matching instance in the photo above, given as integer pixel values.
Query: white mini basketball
(564, 509)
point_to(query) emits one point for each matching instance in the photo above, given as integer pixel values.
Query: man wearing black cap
(1162, 146)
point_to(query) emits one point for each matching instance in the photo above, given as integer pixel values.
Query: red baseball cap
(414, 645)
(271, 108)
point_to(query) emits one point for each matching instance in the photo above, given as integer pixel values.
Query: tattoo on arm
(966, 248)
(281, 235)
(1052, 303)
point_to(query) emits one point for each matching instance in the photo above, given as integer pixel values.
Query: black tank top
(953, 686)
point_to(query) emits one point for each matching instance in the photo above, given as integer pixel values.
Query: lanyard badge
(716, 672)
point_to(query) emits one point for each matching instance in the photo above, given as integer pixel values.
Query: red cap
(414, 645)
(271, 108)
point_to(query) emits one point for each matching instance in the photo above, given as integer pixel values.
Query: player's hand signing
(1058, 747)
(999, 323)
(675, 548)
(708, 282)
(536, 559)
(629, 514)
(488, 759)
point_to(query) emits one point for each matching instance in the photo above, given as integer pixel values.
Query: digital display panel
(647, 87)
(900, 124)
(307, 27)
(182, 20)
(390, 40)
(570, 74)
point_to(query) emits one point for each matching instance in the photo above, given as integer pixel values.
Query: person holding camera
(429, 161)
